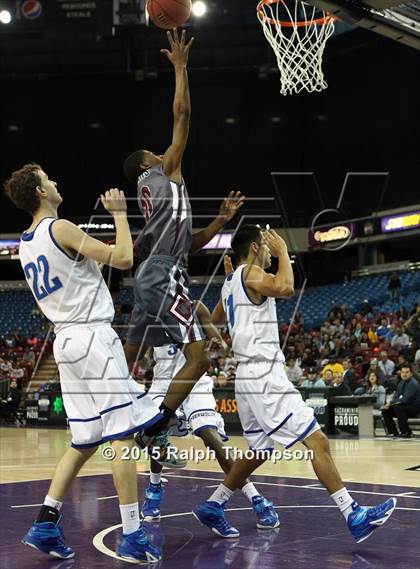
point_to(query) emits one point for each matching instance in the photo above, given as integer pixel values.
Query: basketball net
(298, 36)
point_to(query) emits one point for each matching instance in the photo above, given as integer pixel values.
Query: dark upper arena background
(78, 101)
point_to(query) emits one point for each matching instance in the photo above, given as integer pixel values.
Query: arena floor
(312, 532)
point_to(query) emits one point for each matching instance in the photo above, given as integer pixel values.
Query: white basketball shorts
(102, 400)
(270, 408)
(197, 412)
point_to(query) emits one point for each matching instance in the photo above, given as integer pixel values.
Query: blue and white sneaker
(150, 509)
(363, 521)
(212, 515)
(267, 517)
(136, 547)
(168, 454)
(48, 538)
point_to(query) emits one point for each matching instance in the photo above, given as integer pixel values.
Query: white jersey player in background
(270, 408)
(102, 401)
(198, 411)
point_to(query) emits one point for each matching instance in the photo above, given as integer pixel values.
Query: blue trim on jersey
(246, 292)
(141, 427)
(58, 245)
(87, 445)
(198, 410)
(117, 436)
(253, 432)
(29, 235)
(115, 408)
(84, 420)
(204, 427)
(270, 450)
(305, 432)
(279, 426)
(229, 277)
(105, 411)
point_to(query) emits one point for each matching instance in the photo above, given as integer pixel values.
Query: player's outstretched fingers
(228, 265)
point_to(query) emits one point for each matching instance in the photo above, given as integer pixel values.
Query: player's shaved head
(244, 237)
(132, 165)
(21, 187)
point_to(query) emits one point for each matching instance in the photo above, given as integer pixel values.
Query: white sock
(221, 495)
(52, 503)
(155, 478)
(344, 501)
(130, 517)
(250, 491)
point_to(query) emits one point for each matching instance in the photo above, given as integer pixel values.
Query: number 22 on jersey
(41, 271)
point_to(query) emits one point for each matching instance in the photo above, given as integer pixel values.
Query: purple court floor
(312, 533)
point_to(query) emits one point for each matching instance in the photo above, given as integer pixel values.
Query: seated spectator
(372, 337)
(349, 375)
(413, 326)
(5, 366)
(386, 365)
(374, 366)
(374, 388)
(328, 378)
(334, 366)
(383, 329)
(400, 340)
(340, 388)
(29, 356)
(293, 370)
(391, 333)
(11, 402)
(358, 331)
(18, 374)
(309, 358)
(313, 380)
(404, 404)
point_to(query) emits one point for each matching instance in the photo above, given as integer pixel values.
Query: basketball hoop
(298, 36)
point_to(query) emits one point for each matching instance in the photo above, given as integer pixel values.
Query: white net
(298, 44)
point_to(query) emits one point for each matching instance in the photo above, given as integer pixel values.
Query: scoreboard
(71, 18)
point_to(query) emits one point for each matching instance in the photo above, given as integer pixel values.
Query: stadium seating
(16, 306)
(317, 301)
(15, 313)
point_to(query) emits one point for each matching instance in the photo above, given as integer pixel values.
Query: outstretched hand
(275, 243)
(230, 206)
(178, 54)
(114, 201)
(228, 265)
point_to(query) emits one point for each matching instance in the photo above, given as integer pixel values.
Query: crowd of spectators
(18, 357)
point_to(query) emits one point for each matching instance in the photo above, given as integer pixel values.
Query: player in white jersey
(103, 403)
(198, 411)
(270, 408)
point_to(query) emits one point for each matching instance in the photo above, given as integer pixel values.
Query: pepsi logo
(31, 9)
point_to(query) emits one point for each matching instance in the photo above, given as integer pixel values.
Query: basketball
(168, 14)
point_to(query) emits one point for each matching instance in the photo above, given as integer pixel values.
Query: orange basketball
(168, 14)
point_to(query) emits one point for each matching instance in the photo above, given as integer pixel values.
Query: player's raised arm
(227, 211)
(73, 239)
(218, 316)
(280, 285)
(208, 325)
(178, 56)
